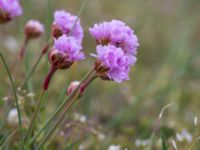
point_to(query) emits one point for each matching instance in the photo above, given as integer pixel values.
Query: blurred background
(126, 114)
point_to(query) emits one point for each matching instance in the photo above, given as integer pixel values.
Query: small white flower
(11, 43)
(174, 144)
(184, 135)
(179, 137)
(195, 120)
(114, 147)
(83, 118)
(187, 135)
(30, 94)
(101, 136)
(142, 143)
(80, 118)
(13, 117)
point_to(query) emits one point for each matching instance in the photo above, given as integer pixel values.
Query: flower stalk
(44, 51)
(32, 123)
(23, 49)
(69, 103)
(61, 107)
(15, 94)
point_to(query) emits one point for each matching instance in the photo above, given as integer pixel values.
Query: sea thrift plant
(112, 63)
(116, 50)
(65, 52)
(116, 33)
(64, 22)
(9, 9)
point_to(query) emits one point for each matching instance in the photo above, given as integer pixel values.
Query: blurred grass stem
(32, 123)
(60, 108)
(8, 139)
(69, 102)
(44, 51)
(15, 94)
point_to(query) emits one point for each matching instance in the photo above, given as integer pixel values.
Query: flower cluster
(9, 9)
(65, 23)
(66, 51)
(116, 49)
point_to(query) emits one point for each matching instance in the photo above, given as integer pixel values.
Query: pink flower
(66, 51)
(112, 63)
(116, 33)
(64, 22)
(9, 9)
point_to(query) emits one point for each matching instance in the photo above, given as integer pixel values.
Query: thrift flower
(116, 33)
(112, 63)
(64, 22)
(33, 29)
(66, 51)
(9, 9)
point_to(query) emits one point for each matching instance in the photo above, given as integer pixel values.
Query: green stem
(45, 49)
(8, 139)
(79, 13)
(15, 94)
(193, 143)
(31, 72)
(68, 106)
(70, 101)
(32, 123)
(58, 110)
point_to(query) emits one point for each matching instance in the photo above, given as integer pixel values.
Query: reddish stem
(46, 48)
(23, 49)
(48, 77)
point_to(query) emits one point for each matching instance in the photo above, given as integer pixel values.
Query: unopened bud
(59, 59)
(33, 29)
(72, 87)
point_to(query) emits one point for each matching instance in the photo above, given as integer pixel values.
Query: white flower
(184, 135)
(174, 144)
(139, 142)
(13, 117)
(195, 120)
(114, 147)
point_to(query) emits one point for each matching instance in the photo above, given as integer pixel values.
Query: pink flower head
(64, 22)
(34, 29)
(9, 9)
(66, 51)
(112, 63)
(116, 33)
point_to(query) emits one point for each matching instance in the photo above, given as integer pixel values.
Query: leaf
(164, 145)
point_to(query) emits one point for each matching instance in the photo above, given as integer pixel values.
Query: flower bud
(59, 59)
(33, 29)
(73, 85)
